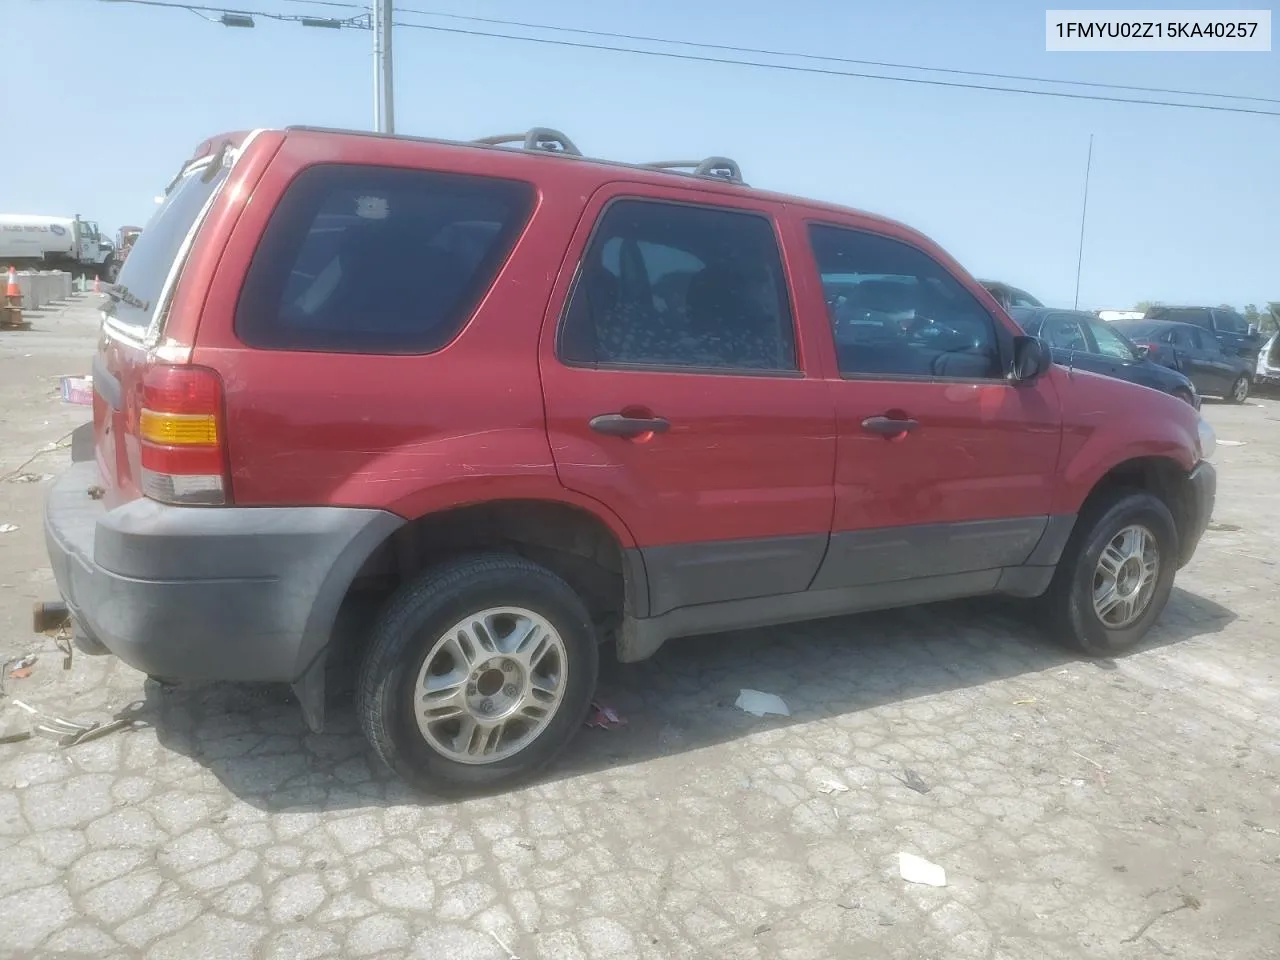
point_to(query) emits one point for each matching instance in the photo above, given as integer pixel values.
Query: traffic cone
(11, 313)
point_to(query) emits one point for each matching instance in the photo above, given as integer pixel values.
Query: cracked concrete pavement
(1126, 808)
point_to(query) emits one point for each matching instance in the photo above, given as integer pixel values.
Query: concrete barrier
(43, 287)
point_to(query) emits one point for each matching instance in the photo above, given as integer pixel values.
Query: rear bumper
(1203, 482)
(205, 593)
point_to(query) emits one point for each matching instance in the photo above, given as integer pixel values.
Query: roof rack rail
(539, 138)
(716, 168)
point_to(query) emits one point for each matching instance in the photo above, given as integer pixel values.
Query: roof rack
(539, 138)
(716, 168)
(549, 140)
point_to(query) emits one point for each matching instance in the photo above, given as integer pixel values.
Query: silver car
(1268, 370)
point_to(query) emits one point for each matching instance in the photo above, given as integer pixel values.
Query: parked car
(1082, 341)
(1009, 296)
(1235, 335)
(1268, 369)
(1194, 353)
(526, 401)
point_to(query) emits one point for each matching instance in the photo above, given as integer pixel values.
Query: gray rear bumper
(206, 593)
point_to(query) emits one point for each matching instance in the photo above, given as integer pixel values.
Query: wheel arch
(1162, 476)
(586, 545)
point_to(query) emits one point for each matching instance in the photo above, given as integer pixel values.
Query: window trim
(615, 367)
(532, 197)
(1003, 335)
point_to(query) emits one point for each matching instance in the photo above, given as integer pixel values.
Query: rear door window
(362, 259)
(680, 286)
(132, 300)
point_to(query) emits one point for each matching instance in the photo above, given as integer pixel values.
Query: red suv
(531, 401)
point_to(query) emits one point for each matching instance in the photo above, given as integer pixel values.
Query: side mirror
(1030, 359)
(1142, 351)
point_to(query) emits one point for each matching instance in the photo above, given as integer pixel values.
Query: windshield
(134, 296)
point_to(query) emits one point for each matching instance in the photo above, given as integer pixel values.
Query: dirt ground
(1105, 809)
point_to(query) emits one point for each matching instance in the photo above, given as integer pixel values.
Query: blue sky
(1184, 205)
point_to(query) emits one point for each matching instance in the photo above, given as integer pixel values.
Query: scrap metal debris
(20, 669)
(759, 704)
(913, 781)
(1188, 903)
(70, 733)
(605, 717)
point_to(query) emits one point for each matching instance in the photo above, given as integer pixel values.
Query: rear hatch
(134, 317)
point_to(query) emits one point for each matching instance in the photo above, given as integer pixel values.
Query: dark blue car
(1082, 341)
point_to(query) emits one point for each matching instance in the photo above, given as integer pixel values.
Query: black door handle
(889, 427)
(616, 425)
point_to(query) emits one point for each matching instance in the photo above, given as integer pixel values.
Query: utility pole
(384, 114)
(1084, 209)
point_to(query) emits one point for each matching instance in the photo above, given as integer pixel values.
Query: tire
(1239, 390)
(420, 618)
(1069, 604)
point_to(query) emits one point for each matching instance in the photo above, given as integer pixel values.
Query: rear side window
(680, 286)
(360, 259)
(132, 300)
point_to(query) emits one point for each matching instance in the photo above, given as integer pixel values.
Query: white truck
(31, 242)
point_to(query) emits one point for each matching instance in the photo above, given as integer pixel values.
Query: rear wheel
(477, 674)
(1115, 575)
(1239, 390)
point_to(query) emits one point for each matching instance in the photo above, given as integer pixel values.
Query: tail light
(183, 432)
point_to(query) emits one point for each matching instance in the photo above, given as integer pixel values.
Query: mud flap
(309, 689)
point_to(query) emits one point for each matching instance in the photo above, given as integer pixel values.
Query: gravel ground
(1126, 808)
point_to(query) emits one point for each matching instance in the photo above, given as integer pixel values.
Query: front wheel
(1115, 575)
(1239, 390)
(477, 674)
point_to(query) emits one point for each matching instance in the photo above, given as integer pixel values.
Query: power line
(357, 22)
(822, 71)
(729, 61)
(729, 48)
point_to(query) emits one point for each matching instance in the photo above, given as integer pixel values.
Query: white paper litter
(830, 786)
(758, 704)
(1232, 443)
(7, 527)
(915, 869)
